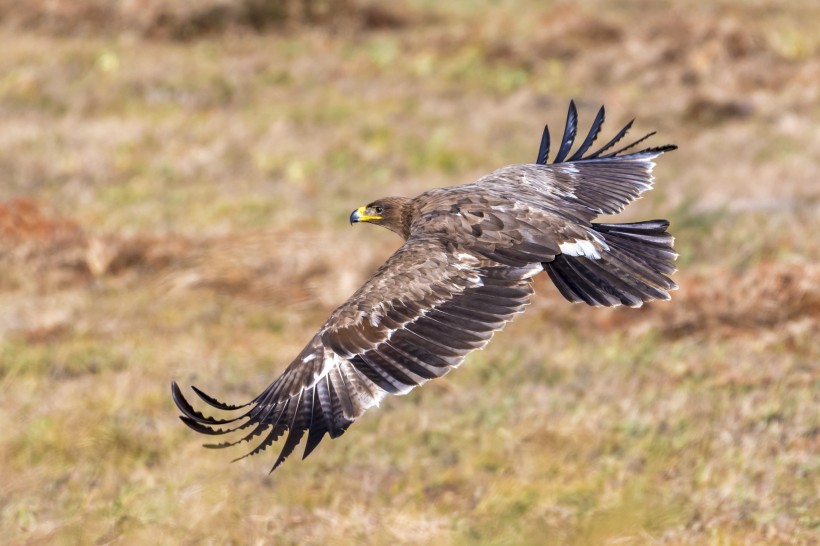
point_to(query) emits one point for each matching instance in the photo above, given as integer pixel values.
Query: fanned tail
(633, 268)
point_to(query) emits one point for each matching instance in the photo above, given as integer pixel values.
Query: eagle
(464, 271)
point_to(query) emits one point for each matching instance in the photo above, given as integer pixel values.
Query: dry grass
(176, 209)
(160, 19)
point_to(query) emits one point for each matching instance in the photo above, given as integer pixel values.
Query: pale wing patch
(364, 398)
(580, 248)
(533, 270)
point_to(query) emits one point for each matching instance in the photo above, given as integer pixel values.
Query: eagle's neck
(407, 213)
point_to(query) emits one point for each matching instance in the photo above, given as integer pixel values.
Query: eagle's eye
(378, 210)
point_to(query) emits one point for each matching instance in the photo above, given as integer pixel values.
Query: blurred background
(175, 182)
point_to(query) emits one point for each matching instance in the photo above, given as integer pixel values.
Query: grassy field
(174, 194)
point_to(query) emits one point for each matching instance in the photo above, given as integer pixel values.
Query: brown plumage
(465, 270)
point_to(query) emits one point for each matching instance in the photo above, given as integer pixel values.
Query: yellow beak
(359, 215)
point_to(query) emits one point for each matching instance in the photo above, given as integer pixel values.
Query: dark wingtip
(190, 413)
(195, 425)
(213, 402)
(544, 147)
(614, 140)
(632, 145)
(654, 151)
(260, 428)
(221, 445)
(570, 130)
(182, 402)
(594, 130)
(279, 461)
(570, 133)
(314, 438)
(175, 389)
(265, 444)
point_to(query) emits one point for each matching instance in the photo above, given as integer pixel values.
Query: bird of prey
(464, 271)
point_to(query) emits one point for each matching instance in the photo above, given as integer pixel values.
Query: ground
(174, 194)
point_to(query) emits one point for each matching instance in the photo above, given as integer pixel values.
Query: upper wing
(602, 181)
(538, 211)
(415, 319)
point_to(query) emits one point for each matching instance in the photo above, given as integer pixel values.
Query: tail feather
(582, 281)
(647, 242)
(631, 271)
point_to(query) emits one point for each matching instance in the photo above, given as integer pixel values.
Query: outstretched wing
(415, 319)
(602, 181)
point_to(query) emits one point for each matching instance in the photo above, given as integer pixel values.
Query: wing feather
(432, 320)
(402, 376)
(544, 148)
(591, 136)
(569, 133)
(296, 429)
(405, 362)
(317, 427)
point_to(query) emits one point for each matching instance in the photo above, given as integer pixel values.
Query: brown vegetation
(190, 20)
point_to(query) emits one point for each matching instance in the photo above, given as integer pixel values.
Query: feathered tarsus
(464, 271)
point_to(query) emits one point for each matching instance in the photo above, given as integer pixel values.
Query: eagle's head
(394, 213)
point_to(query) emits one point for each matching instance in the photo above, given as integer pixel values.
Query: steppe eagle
(464, 271)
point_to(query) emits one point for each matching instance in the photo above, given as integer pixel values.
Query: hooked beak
(356, 215)
(359, 215)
